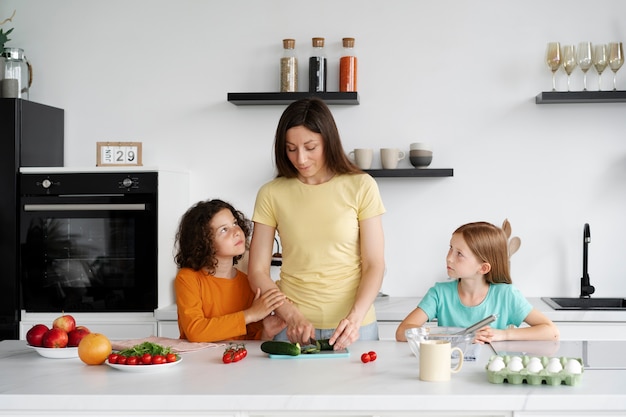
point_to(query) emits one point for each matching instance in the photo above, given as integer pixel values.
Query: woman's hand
(272, 325)
(300, 330)
(346, 333)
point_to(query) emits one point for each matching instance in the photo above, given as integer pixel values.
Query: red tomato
(227, 357)
(146, 359)
(121, 360)
(132, 360)
(113, 358)
(365, 358)
(244, 352)
(158, 360)
(171, 357)
(373, 356)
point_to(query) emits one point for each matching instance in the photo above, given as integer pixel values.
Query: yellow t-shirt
(318, 227)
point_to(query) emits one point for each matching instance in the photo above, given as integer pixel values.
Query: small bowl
(416, 335)
(420, 161)
(56, 353)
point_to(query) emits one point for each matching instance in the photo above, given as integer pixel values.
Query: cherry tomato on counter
(369, 356)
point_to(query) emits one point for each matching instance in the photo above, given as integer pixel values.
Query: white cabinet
(387, 330)
(588, 330)
(168, 328)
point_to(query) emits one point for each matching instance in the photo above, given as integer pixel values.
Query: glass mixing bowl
(416, 335)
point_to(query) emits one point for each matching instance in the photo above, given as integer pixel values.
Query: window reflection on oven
(79, 264)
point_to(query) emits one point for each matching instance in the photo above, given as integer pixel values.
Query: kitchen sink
(576, 303)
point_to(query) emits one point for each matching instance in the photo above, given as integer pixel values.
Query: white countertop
(202, 383)
(397, 308)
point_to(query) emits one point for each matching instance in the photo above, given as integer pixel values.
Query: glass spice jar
(348, 66)
(317, 67)
(289, 67)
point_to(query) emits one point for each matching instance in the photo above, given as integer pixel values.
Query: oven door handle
(84, 207)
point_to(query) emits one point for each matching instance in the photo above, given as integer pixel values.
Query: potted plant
(4, 38)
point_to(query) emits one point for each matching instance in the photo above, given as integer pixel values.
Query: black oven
(88, 242)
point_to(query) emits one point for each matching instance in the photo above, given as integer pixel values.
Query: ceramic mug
(362, 157)
(436, 360)
(389, 157)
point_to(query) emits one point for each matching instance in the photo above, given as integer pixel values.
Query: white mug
(389, 157)
(362, 157)
(436, 360)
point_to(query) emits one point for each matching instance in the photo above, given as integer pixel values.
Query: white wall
(462, 75)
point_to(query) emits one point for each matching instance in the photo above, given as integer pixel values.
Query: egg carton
(562, 377)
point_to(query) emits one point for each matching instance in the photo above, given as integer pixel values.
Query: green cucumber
(324, 345)
(277, 347)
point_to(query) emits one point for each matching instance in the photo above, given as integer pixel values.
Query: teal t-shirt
(442, 302)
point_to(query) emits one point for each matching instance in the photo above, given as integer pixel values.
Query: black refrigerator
(31, 135)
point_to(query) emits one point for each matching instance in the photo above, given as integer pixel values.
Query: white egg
(515, 365)
(534, 365)
(554, 366)
(496, 364)
(573, 366)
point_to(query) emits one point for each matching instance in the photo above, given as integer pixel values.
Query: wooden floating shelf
(411, 172)
(559, 97)
(251, 99)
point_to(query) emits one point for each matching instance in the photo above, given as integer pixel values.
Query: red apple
(34, 336)
(55, 338)
(75, 336)
(65, 322)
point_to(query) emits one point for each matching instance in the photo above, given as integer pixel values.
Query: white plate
(56, 353)
(143, 368)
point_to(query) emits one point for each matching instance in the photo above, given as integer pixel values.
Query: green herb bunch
(146, 347)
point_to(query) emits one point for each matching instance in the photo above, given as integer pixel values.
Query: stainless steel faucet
(586, 289)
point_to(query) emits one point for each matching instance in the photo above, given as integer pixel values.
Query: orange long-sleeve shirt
(210, 309)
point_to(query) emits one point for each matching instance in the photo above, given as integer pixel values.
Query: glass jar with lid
(289, 67)
(17, 67)
(317, 67)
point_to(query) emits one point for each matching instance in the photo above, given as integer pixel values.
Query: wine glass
(600, 61)
(616, 59)
(569, 61)
(553, 59)
(584, 60)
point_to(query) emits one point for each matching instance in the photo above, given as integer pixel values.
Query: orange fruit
(94, 348)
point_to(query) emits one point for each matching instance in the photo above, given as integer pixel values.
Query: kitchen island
(259, 386)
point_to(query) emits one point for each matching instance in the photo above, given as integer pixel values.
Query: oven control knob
(46, 183)
(127, 182)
